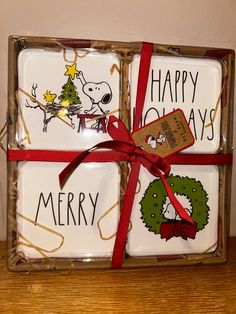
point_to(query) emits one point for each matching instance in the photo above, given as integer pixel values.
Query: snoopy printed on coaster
(157, 229)
(65, 97)
(192, 84)
(165, 136)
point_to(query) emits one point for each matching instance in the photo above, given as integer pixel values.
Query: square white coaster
(79, 221)
(74, 93)
(197, 189)
(191, 84)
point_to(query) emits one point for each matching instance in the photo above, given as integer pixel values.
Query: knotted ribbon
(155, 164)
(180, 228)
(122, 148)
(122, 143)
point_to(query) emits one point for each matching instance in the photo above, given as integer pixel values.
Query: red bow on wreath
(178, 228)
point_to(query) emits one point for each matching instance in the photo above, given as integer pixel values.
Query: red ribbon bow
(123, 149)
(155, 164)
(123, 144)
(181, 229)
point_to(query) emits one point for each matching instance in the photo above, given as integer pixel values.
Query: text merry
(67, 208)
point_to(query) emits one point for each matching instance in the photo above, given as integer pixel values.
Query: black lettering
(203, 119)
(94, 206)
(147, 113)
(59, 208)
(45, 202)
(192, 120)
(194, 85)
(177, 77)
(212, 112)
(70, 198)
(184, 78)
(80, 209)
(157, 81)
(167, 80)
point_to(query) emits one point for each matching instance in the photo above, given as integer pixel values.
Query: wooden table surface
(185, 289)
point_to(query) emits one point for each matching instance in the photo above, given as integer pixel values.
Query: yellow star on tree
(71, 70)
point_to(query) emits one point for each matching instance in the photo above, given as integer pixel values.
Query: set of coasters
(63, 97)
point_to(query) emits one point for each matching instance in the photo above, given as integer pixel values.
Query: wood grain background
(186, 289)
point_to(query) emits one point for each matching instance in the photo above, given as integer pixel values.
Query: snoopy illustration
(154, 141)
(99, 93)
(169, 211)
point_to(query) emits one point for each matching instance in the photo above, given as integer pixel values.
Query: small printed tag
(165, 136)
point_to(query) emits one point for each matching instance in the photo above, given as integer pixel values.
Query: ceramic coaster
(65, 97)
(156, 227)
(79, 221)
(191, 84)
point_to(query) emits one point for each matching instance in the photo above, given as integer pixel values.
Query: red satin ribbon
(108, 156)
(124, 149)
(181, 229)
(125, 214)
(156, 165)
(122, 143)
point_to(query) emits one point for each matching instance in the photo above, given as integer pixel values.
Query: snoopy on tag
(99, 93)
(154, 141)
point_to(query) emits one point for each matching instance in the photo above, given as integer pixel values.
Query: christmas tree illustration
(69, 101)
(69, 95)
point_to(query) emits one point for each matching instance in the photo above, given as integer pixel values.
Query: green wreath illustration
(155, 196)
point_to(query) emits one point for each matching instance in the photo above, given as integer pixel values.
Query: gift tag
(65, 97)
(191, 84)
(165, 136)
(79, 221)
(157, 228)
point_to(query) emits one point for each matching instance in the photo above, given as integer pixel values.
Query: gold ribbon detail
(30, 244)
(217, 104)
(103, 216)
